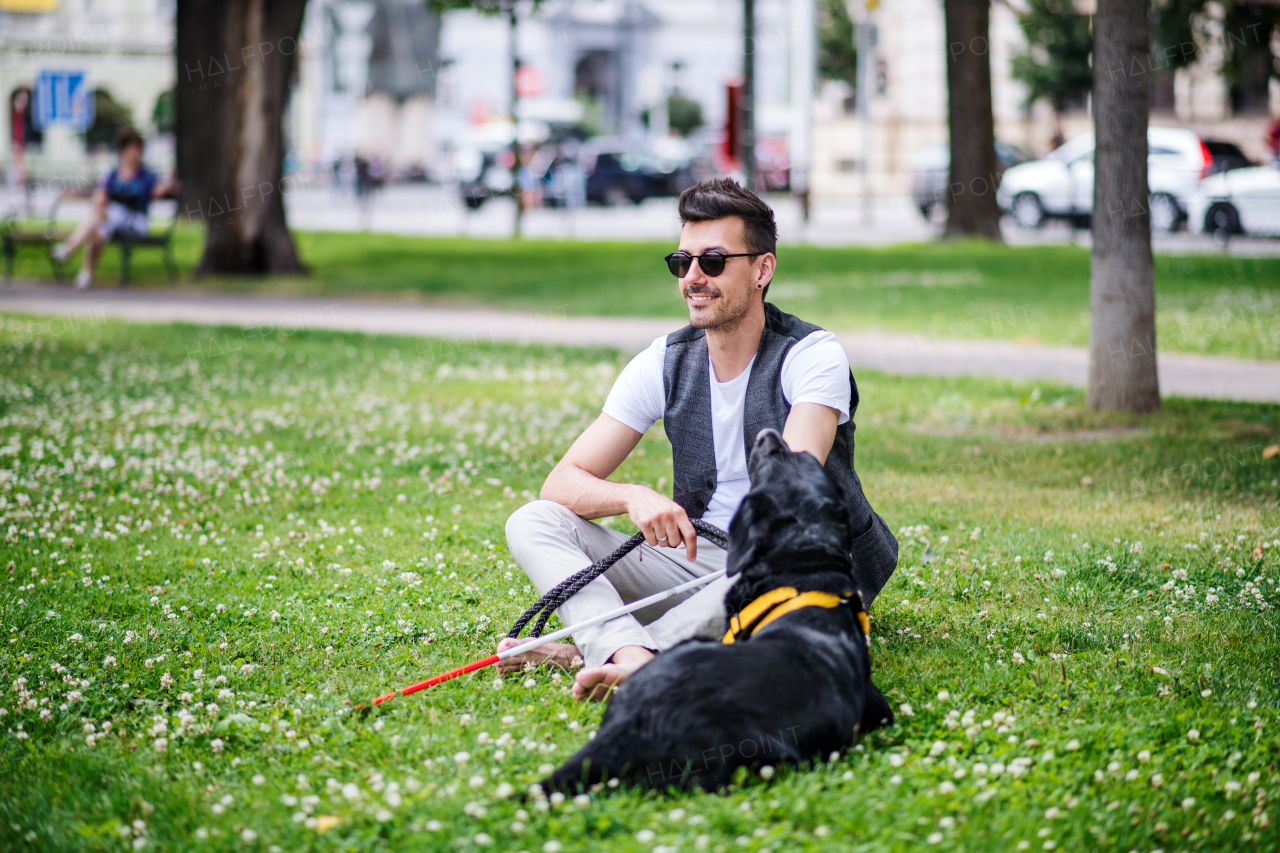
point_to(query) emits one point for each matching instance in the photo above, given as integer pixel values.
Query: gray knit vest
(686, 382)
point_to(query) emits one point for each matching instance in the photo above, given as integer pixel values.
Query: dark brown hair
(724, 197)
(128, 136)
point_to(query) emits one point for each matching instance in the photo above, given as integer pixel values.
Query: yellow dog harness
(781, 601)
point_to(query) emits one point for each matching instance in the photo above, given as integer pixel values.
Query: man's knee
(531, 519)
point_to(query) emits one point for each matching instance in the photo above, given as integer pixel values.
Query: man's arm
(579, 482)
(811, 427)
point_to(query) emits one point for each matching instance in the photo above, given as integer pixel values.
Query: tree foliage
(1176, 32)
(109, 118)
(684, 115)
(1250, 30)
(837, 56)
(1055, 64)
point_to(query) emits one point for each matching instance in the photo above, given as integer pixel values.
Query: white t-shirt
(815, 370)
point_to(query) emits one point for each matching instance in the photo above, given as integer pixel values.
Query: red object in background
(733, 125)
(528, 82)
(1273, 138)
(19, 109)
(18, 119)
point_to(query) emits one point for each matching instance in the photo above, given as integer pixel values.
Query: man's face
(725, 299)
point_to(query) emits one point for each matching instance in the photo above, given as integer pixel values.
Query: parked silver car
(931, 172)
(1061, 185)
(1240, 201)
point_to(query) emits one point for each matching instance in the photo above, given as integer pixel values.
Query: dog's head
(794, 512)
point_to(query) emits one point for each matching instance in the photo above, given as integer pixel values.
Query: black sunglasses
(712, 263)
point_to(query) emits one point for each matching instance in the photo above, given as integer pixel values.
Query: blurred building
(387, 79)
(403, 89)
(367, 85)
(125, 49)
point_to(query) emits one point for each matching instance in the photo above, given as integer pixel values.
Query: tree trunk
(971, 193)
(1122, 295)
(235, 62)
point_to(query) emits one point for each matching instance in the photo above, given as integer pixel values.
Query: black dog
(780, 688)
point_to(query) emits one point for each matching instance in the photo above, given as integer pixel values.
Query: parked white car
(1061, 185)
(1242, 201)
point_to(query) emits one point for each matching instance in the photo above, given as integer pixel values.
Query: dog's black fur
(797, 690)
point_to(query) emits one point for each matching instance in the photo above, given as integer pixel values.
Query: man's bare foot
(598, 682)
(561, 655)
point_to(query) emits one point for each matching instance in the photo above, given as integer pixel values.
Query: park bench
(16, 234)
(19, 231)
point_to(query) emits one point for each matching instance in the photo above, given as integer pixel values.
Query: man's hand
(662, 521)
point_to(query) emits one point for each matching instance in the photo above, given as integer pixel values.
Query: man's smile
(700, 297)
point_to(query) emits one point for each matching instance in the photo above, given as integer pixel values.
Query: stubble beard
(726, 318)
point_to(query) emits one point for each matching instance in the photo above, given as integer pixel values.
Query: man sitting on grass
(740, 366)
(120, 205)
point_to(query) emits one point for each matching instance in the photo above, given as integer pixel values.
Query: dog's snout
(768, 441)
(768, 445)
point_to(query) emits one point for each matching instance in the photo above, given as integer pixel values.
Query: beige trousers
(551, 543)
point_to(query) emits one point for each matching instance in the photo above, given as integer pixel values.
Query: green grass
(216, 545)
(1206, 304)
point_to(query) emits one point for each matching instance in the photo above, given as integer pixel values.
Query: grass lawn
(1206, 304)
(210, 558)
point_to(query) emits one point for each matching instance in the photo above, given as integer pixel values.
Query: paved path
(1180, 374)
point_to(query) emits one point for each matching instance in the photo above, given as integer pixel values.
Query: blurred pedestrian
(121, 203)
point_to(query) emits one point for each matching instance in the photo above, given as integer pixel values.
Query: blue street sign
(63, 97)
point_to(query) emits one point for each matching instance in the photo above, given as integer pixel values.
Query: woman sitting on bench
(120, 204)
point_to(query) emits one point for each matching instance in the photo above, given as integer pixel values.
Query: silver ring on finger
(662, 539)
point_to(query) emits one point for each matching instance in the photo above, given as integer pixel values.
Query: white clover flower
(110, 660)
(216, 744)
